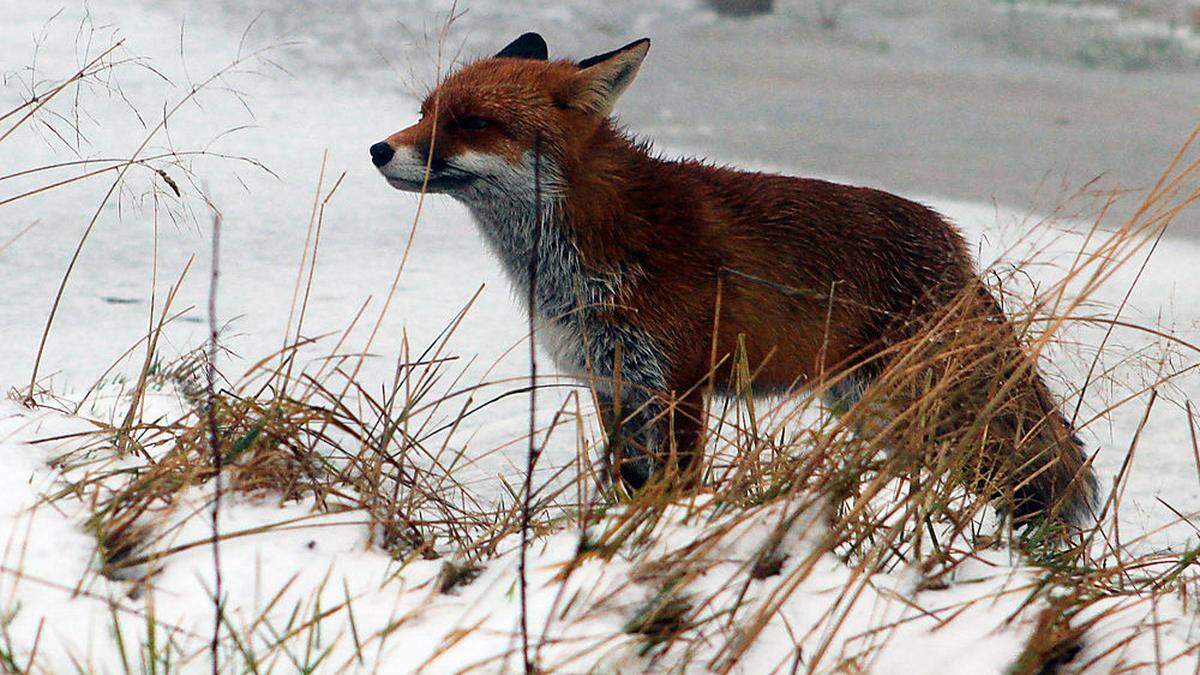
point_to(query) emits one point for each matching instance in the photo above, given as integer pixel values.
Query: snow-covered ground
(308, 591)
(320, 117)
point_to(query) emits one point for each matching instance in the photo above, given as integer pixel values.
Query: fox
(651, 276)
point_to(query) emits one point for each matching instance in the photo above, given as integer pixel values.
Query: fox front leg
(634, 437)
(627, 370)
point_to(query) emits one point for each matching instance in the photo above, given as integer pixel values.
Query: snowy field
(283, 135)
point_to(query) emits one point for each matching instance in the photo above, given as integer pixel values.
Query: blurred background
(1021, 102)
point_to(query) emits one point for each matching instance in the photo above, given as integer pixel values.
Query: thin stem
(214, 444)
(532, 456)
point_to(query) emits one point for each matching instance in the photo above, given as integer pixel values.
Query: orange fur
(817, 278)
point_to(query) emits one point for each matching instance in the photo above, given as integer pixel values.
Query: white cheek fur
(486, 164)
(406, 164)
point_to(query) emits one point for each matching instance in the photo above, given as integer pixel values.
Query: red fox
(651, 271)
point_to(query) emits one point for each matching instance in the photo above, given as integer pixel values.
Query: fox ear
(603, 78)
(528, 46)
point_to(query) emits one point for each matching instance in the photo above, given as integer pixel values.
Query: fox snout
(411, 167)
(404, 170)
(426, 158)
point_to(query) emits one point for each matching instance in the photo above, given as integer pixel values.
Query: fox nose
(381, 153)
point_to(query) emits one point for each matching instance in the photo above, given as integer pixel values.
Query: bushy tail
(1029, 446)
(964, 392)
(1053, 476)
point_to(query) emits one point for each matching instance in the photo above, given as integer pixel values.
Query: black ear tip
(533, 40)
(527, 46)
(600, 58)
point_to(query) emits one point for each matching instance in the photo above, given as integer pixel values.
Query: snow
(326, 563)
(315, 576)
(51, 592)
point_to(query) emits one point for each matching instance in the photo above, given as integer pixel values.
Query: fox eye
(472, 123)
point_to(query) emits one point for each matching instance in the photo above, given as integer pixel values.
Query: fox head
(498, 125)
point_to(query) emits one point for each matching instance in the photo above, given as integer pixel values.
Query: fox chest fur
(578, 310)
